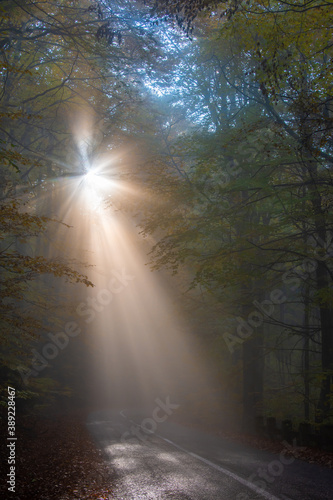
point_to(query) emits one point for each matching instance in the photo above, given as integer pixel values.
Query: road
(179, 463)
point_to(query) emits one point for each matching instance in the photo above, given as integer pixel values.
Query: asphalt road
(178, 463)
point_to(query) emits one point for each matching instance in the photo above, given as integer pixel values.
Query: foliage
(243, 195)
(184, 12)
(61, 63)
(232, 132)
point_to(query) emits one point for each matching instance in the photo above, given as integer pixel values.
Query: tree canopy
(227, 107)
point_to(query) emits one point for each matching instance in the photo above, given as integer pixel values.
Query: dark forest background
(226, 111)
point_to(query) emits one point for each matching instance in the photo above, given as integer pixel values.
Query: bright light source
(89, 175)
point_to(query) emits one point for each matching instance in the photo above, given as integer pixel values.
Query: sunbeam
(140, 346)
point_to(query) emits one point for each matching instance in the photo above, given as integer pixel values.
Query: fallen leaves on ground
(310, 455)
(56, 459)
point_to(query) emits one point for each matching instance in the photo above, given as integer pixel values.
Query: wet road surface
(178, 463)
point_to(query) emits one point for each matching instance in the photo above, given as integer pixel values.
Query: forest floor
(307, 454)
(310, 455)
(58, 460)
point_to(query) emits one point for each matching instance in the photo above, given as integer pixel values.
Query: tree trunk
(253, 379)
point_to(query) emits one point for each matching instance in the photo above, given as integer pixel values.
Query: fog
(138, 345)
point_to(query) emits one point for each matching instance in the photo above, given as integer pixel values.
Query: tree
(59, 60)
(273, 211)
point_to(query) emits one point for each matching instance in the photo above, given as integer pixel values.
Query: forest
(209, 125)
